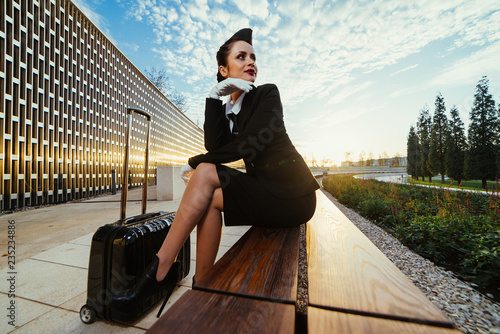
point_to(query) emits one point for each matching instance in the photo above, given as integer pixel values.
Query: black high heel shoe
(146, 286)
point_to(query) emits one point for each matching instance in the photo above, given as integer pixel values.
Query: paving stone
(63, 321)
(24, 312)
(69, 254)
(45, 282)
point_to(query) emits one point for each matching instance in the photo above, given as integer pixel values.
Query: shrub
(374, 208)
(454, 229)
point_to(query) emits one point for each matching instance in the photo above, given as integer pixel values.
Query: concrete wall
(170, 186)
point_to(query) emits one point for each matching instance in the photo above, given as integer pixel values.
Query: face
(240, 62)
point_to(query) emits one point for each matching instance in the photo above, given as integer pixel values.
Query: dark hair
(242, 35)
(222, 55)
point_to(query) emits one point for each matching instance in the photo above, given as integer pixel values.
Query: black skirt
(247, 202)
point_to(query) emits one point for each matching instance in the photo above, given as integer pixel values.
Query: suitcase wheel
(87, 314)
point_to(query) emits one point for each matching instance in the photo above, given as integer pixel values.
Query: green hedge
(459, 230)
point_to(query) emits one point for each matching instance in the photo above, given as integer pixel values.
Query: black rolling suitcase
(121, 251)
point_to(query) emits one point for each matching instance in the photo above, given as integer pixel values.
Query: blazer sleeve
(216, 126)
(267, 117)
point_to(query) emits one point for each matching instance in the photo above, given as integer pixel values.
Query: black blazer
(262, 143)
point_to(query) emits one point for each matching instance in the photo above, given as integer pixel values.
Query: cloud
(349, 91)
(403, 70)
(470, 69)
(313, 49)
(95, 18)
(254, 8)
(402, 92)
(484, 26)
(330, 119)
(129, 46)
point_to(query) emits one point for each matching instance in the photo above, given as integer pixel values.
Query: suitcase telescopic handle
(130, 111)
(123, 204)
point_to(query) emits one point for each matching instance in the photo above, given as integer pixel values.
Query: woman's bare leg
(194, 204)
(208, 235)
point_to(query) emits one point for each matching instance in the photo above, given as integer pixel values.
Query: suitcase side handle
(123, 203)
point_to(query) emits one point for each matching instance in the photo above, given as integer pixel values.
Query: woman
(277, 190)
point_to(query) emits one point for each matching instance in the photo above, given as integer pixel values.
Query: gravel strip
(302, 292)
(468, 309)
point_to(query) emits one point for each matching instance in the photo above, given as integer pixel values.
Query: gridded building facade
(65, 91)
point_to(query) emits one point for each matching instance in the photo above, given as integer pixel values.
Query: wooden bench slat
(325, 321)
(205, 312)
(347, 272)
(262, 264)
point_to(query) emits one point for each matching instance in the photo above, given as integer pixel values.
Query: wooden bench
(353, 287)
(204, 312)
(251, 289)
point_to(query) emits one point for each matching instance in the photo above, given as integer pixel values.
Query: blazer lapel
(246, 109)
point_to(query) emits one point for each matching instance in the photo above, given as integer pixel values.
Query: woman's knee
(205, 167)
(208, 172)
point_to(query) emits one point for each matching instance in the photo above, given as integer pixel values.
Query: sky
(352, 75)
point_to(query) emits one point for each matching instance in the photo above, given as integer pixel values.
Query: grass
(469, 184)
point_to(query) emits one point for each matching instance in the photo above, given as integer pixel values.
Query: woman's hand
(229, 86)
(186, 173)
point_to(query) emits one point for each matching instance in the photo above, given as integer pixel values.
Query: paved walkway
(52, 254)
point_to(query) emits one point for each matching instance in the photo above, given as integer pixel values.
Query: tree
(369, 159)
(437, 146)
(314, 162)
(456, 147)
(396, 160)
(325, 162)
(483, 135)
(498, 143)
(179, 100)
(347, 156)
(423, 131)
(160, 79)
(362, 159)
(382, 158)
(413, 154)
